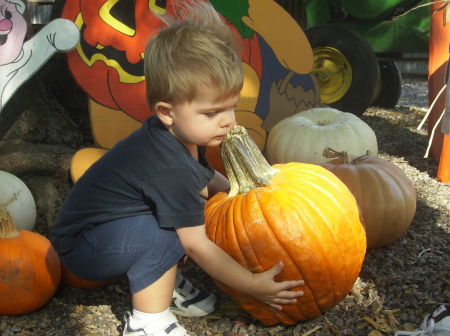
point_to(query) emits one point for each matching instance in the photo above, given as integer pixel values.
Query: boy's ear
(164, 112)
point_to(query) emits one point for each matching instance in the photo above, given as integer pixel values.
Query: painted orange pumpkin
(385, 195)
(108, 61)
(30, 270)
(298, 213)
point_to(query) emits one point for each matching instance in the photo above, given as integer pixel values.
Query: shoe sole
(183, 313)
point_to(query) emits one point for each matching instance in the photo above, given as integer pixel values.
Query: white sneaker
(169, 327)
(438, 324)
(188, 301)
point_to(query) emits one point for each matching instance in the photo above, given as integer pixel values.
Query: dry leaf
(376, 325)
(375, 333)
(309, 332)
(409, 327)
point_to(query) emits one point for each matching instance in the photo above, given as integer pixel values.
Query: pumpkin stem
(330, 153)
(361, 156)
(244, 163)
(7, 227)
(346, 159)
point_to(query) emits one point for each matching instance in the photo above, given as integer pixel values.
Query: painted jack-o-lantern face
(108, 62)
(113, 37)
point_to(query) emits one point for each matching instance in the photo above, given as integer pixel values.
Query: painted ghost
(20, 59)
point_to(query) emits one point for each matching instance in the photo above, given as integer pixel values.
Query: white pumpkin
(17, 199)
(303, 136)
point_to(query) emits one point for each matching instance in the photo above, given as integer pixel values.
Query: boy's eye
(211, 114)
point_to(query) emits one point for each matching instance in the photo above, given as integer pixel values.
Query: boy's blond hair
(196, 50)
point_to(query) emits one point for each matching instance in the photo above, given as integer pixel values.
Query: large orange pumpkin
(30, 270)
(385, 195)
(298, 213)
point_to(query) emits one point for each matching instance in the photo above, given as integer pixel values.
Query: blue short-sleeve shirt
(149, 172)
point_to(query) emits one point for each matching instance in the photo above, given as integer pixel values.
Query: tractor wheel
(390, 85)
(345, 67)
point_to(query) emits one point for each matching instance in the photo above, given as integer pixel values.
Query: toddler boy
(139, 209)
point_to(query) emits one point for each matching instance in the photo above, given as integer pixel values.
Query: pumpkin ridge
(345, 275)
(318, 172)
(222, 230)
(50, 262)
(228, 231)
(313, 184)
(286, 252)
(14, 254)
(30, 240)
(306, 185)
(362, 234)
(314, 240)
(404, 198)
(347, 128)
(244, 205)
(211, 210)
(241, 234)
(379, 174)
(33, 257)
(224, 209)
(300, 263)
(286, 315)
(373, 198)
(399, 193)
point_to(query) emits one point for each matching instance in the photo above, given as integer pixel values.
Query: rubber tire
(362, 60)
(390, 85)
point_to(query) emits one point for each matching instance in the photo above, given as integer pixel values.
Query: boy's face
(202, 122)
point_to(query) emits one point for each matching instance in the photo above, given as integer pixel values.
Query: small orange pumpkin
(73, 281)
(297, 213)
(30, 270)
(385, 195)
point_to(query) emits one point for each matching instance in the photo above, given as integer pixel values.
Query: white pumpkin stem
(7, 227)
(244, 163)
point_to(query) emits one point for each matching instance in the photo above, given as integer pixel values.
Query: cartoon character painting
(108, 64)
(20, 59)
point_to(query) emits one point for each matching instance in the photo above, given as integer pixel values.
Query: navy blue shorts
(136, 247)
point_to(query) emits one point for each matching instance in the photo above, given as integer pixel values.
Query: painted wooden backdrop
(108, 62)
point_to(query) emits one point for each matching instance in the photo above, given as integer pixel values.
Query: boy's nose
(228, 120)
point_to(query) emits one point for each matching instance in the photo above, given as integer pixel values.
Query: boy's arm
(217, 184)
(219, 265)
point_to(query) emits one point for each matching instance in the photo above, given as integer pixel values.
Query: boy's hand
(275, 293)
(219, 265)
